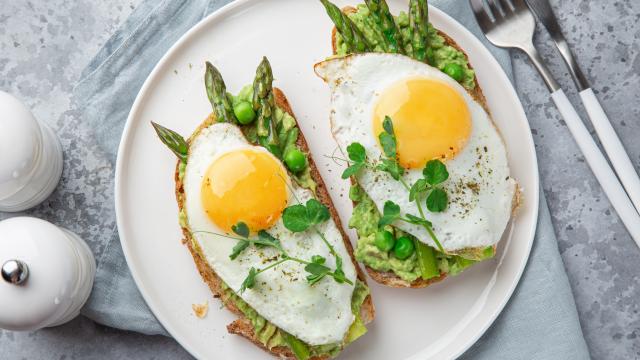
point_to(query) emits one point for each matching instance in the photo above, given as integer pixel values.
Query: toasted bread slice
(389, 278)
(242, 326)
(476, 93)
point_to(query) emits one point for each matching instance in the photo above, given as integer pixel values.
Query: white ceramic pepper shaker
(30, 157)
(47, 274)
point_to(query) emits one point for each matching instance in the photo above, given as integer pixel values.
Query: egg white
(480, 188)
(319, 314)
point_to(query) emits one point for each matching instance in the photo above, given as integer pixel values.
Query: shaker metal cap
(39, 273)
(15, 272)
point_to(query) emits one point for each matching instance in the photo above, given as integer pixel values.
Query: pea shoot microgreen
(437, 200)
(389, 143)
(390, 213)
(296, 218)
(427, 190)
(358, 156)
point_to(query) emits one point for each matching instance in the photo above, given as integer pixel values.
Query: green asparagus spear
(217, 94)
(427, 260)
(352, 36)
(264, 105)
(390, 32)
(418, 20)
(173, 140)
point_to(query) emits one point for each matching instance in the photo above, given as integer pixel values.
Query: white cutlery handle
(599, 166)
(612, 145)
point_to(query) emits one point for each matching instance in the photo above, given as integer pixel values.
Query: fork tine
(484, 20)
(495, 9)
(519, 5)
(505, 5)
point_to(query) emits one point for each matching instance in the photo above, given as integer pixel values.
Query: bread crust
(389, 278)
(242, 326)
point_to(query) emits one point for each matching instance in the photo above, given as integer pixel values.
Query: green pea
(295, 160)
(384, 240)
(403, 248)
(455, 71)
(244, 112)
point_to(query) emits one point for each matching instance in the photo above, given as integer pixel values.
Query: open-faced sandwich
(431, 184)
(260, 225)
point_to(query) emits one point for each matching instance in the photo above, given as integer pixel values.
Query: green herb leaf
(338, 274)
(317, 259)
(316, 268)
(352, 170)
(356, 152)
(316, 272)
(267, 239)
(317, 213)
(298, 218)
(388, 139)
(249, 281)
(388, 143)
(238, 249)
(435, 172)
(295, 218)
(437, 200)
(412, 219)
(390, 213)
(174, 141)
(387, 125)
(241, 229)
(265, 236)
(419, 187)
(392, 167)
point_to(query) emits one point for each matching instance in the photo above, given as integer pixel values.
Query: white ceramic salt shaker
(47, 274)
(30, 157)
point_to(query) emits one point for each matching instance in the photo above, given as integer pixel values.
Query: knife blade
(543, 11)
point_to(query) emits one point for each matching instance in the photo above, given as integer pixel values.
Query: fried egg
(433, 117)
(228, 180)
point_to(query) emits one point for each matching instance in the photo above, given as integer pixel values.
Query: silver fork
(510, 24)
(610, 141)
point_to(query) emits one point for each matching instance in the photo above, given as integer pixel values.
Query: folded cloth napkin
(539, 322)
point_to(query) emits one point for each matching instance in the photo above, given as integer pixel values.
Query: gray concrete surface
(44, 45)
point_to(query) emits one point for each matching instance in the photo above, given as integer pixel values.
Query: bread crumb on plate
(200, 310)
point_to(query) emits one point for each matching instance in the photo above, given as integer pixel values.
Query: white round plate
(438, 322)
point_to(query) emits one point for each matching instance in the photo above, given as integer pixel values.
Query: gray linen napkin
(539, 322)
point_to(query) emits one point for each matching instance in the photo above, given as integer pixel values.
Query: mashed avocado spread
(442, 54)
(287, 134)
(365, 221)
(271, 336)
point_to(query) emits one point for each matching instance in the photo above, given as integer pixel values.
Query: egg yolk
(430, 120)
(244, 185)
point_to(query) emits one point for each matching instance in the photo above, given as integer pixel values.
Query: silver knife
(607, 135)
(542, 9)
